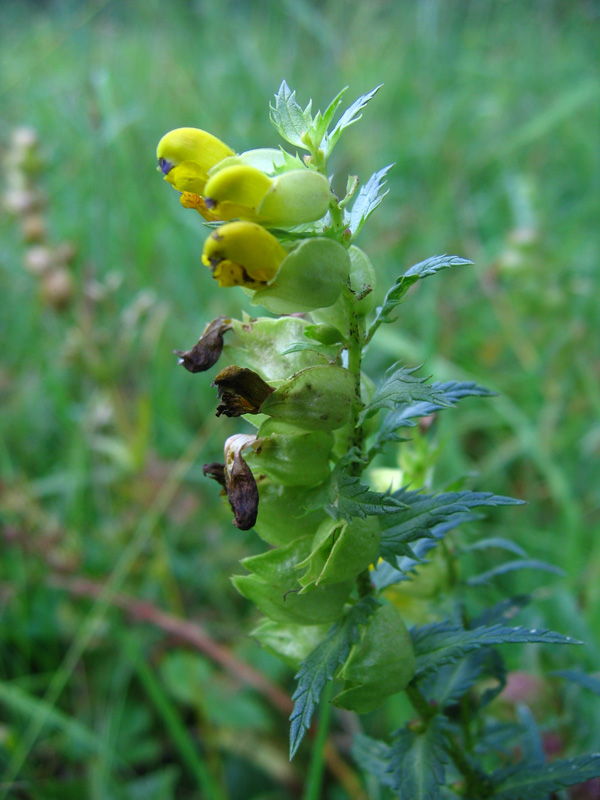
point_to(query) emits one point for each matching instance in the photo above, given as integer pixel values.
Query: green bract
(312, 276)
(316, 399)
(380, 664)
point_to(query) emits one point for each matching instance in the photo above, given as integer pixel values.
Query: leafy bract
(538, 782)
(349, 117)
(581, 678)
(373, 755)
(416, 761)
(350, 498)
(513, 566)
(422, 270)
(290, 120)
(404, 415)
(445, 642)
(321, 665)
(400, 385)
(368, 199)
(424, 512)
(450, 682)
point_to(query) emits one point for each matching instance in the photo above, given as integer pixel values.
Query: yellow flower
(185, 155)
(243, 254)
(241, 191)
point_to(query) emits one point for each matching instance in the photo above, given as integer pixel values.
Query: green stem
(477, 783)
(312, 790)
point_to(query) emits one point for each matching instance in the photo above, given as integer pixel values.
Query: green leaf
(424, 512)
(497, 542)
(417, 760)
(274, 588)
(288, 117)
(404, 415)
(373, 756)
(322, 121)
(445, 642)
(514, 783)
(349, 117)
(331, 352)
(292, 643)
(321, 666)
(579, 677)
(368, 199)
(448, 684)
(513, 566)
(400, 385)
(350, 498)
(422, 270)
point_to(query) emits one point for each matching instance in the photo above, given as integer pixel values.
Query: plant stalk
(312, 790)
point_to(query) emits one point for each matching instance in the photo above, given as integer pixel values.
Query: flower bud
(292, 198)
(243, 254)
(186, 154)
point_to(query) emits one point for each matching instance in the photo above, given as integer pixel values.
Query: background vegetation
(126, 669)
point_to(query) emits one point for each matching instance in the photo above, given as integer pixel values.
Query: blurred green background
(491, 113)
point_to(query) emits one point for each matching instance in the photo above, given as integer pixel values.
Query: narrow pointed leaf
(321, 665)
(538, 782)
(445, 642)
(422, 270)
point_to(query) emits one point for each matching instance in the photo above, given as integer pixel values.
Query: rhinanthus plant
(359, 584)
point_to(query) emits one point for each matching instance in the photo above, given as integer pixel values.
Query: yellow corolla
(241, 191)
(243, 254)
(185, 155)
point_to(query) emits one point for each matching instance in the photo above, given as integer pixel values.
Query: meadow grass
(490, 112)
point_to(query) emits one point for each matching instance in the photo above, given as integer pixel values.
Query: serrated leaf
(538, 782)
(368, 199)
(503, 610)
(288, 117)
(400, 385)
(404, 415)
(445, 642)
(421, 270)
(531, 741)
(497, 542)
(349, 117)
(579, 677)
(350, 498)
(513, 566)
(424, 512)
(373, 755)
(321, 665)
(322, 121)
(417, 762)
(452, 681)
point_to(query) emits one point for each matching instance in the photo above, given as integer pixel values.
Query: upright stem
(312, 789)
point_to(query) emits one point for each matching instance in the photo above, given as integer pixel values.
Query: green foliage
(424, 513)
(96, 412)
(321, 666)
(444, 642)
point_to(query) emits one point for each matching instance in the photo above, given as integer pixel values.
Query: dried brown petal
(215, 471)
(242, 491)
(209, 347)
(241, 391)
